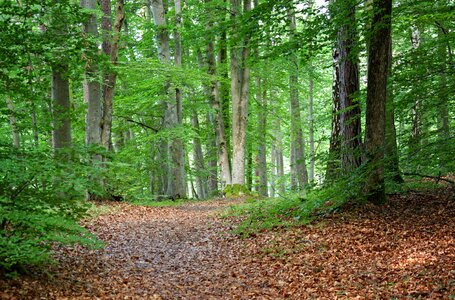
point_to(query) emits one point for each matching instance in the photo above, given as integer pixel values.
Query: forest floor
(402, 250)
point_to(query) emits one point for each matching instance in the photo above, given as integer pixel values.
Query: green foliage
(294, 210)
(40, 204)
(236, 190)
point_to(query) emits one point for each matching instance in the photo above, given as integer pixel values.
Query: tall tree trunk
(176, 183)
(350, 123)
(110, 47)
(334, 164)
(311, 123)
(92, 87)
(391, 148)
(224, 97)
(415, 142)
(13, 122)
(297, 142)
(240, 75)
(378, 62)
(261, 167)
(219, 138)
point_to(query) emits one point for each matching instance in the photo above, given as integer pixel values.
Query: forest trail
(400, 250)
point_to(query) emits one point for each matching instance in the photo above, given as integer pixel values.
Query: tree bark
(201, 174)
(110, 48)
(92, 87)
(334, 163)
(350, 112)
(378, 62)
(278, 134)
(176, 182)
(61, 106)
(297, 141)
(240, 74)
(261, 166)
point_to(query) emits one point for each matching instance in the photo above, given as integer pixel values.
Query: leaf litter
(403, 250)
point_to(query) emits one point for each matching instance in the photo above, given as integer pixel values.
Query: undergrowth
(256, 215)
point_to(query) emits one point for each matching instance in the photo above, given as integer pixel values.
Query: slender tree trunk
(334, 164)
(378, 62)
(278, 134)
(273, 173)
(297, 141)
(415, 142)
(212, 153)
(350, 111)
(261, 167)
(201, 174)
(110, 47)
(13, 122)
(224, 97)
(391, 150)
(311, 124)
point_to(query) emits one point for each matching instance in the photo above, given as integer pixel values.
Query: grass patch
(271, 213)
(97, 209)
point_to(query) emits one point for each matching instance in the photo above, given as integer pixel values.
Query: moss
(236, 190)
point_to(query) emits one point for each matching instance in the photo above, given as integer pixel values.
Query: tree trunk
(176, 185)
(61, 106)
(334, 164)
(110, 47)
(278, 134)
(350, 111)
(201, 174)
(415, 142)
(261, 167)
(13, 122)
(240, 74)
(92, 87)
(378, 62)
(219, 139)
(391, 150)
(311, 123)
(212, 154)
(297, 142)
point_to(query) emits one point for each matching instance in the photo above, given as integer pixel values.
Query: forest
(227, 149)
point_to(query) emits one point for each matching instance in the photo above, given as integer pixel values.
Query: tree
(240, 76)
(350, 124)
(298, 167)
(92, 86)
(378, 62)
(176, 183)
(110, 47)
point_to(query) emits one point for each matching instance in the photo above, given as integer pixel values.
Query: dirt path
(402, 250)
(174, 252)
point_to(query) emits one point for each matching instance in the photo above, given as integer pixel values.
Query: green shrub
(41, 201)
